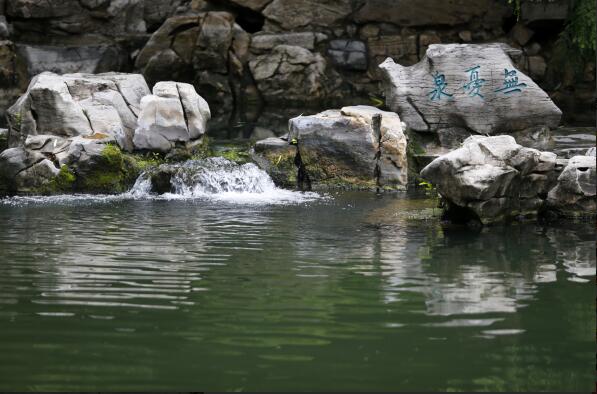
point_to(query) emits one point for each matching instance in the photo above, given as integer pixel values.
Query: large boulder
(432, 12)
(293, 14)
(575, 194)
(492, 179)
(208, 50)
(339, 148)
(292, 74)
(174, 114)
(78, 105)
(476, 87)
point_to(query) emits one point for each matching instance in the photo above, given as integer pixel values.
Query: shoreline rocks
(339, 148)
(494, 179)
(77, 132)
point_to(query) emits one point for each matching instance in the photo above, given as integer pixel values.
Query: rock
(208, 50)
(78, 105)
(33, 178)
(292, 14)
(431, 12)
(348, 54)
(395, 46)
(109, 18)
(492, 179)
(261, 133)
(277, 157)
(521, 34)
(575, 191)
(537, 66)
(175, 113)
(337, 148)
(255, 5)
(532, 49)
(291, 74)
(3, 139)
(465, 35)
(71, 59)
(264, 42)
(4, 28)
(591, 152)
(467, 85)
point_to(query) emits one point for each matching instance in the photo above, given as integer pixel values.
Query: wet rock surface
(339, 148)
(494, 179)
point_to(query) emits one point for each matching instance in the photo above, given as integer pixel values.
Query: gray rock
(431, 12)
(175, 113)
(467, 85)
(78, 105)
(71, 59)
(575, 192)
(34, 177)
(537, 66)
(348, 54)
(265, 42)
(15, 160)
(293, 74)
(591, 152)
(492, 179)
(339, 147)
(521, 34)
(292, 14)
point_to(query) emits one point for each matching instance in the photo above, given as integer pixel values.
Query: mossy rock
(64, 183)
(111, 172)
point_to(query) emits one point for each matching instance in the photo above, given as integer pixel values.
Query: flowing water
(231, 284)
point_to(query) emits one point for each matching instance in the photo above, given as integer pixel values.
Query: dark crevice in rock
(376, 126)
(184, 111)
(303, 181)
(460, 215)
(250, 20)
(418, 111)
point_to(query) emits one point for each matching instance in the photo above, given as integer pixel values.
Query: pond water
(351, 291)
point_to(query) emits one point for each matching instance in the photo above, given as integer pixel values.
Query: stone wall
(260, 62)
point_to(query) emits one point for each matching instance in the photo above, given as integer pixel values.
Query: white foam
(215, 179)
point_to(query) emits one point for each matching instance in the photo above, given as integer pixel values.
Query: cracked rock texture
(338, 148)
(475, 87)
(78, 105)
(173, 114)
(493, 179)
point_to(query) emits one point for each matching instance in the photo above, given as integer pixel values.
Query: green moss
(114, 173)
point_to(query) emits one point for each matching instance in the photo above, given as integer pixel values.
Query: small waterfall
(217, 179)
(213, 179)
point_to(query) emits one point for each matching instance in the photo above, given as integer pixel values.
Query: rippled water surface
(350, 292)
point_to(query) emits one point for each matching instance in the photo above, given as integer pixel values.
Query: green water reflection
(354, 293)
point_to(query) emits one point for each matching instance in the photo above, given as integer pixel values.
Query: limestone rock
(264, 42)
(339, 148)
(207, 49)
(431, 12)
(348, 54)
(575, 192)
(175, 113)
(291, 74)
(71, 59)
(292, 14)
(492, 179)
(78, 105)
(467, 85)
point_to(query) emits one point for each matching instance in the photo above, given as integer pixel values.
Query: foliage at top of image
(579, 34)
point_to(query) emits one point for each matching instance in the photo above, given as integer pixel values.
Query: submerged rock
(175, 113)
(473, 86)
(492, 179)
(338, 148)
